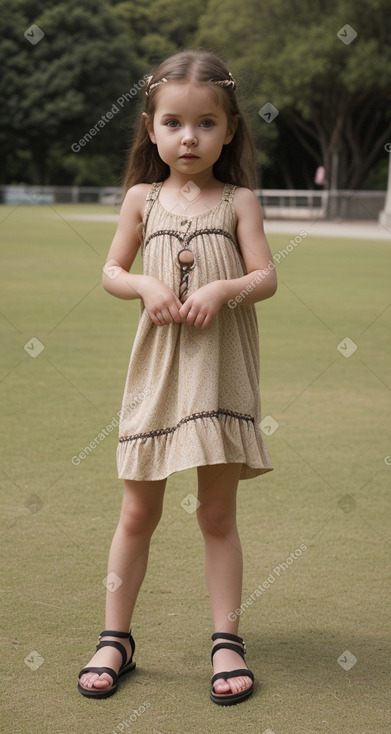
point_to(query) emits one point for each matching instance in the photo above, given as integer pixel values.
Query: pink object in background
(320, 176)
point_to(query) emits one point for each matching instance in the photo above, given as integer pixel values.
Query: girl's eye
(171, 123)
(207, 123)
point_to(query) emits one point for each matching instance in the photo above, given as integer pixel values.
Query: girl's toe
(240, 684)
(245, 683)
(221, 686)
(95, 681)
(101, 683)
(235, 685)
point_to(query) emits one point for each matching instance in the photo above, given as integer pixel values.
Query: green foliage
(94, 169)
(56, 90)
(159, 28)
(333, 98)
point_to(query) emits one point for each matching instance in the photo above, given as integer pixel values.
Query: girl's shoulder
(243, 194)
(136, 197)
(245, 200)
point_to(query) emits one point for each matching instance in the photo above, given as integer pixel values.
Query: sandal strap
(227, 646)
(93, 669)
(232, 674)
(118, 646)
(122, 636)
(113, 633)
(227, 636)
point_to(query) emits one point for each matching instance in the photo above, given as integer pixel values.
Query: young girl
(192, 392)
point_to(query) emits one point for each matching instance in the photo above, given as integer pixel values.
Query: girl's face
(189, 128)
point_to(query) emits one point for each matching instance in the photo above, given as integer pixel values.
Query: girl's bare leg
(217, 488)
(140, 514)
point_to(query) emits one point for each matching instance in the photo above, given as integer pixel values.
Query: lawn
(318, 636)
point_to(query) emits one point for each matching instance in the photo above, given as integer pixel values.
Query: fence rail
(307, 204)
(276, 203)
(25, 194)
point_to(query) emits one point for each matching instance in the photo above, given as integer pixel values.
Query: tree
(55, 90)
(332, 91)
(158, 28)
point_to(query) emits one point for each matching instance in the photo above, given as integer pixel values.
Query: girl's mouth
(189, 155)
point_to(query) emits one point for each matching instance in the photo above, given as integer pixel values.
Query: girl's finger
(157, 318)
(200, 318)
(175, 314)
(161, 317)
(184, 309)
(195, 318)
(165, 315)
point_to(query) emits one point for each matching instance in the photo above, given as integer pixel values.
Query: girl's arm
(158, 298)
(261, 279)
(116, 278)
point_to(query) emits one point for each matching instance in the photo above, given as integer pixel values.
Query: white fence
(60, 194)
(307, 204)
(276, 203)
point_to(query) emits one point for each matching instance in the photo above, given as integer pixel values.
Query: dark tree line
(326, 68)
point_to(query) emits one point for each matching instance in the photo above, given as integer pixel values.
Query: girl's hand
(160, 301)
(202, 306)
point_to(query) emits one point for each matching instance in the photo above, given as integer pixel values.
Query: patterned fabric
(192, 396)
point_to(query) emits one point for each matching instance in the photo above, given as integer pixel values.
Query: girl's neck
(190, 199)
(204, 180)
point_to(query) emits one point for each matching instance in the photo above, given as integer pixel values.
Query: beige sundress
(191, 396)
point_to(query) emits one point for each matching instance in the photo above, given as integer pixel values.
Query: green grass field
(329, 491)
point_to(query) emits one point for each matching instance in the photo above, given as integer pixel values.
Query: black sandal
(126, 667)
(226, 699)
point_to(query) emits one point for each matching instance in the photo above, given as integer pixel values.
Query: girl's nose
(189, 138)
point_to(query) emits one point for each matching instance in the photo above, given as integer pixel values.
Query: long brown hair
(236, 164)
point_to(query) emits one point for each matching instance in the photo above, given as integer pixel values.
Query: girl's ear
(149, 126)
(232, 127)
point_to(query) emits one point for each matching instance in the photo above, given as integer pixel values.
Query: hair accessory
(155, 84)
(225, 82)
(221, 82)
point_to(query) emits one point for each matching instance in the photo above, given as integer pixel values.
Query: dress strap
(228, 193)
(152, 195)
(153, 192)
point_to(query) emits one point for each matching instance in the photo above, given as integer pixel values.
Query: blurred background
(325, 68)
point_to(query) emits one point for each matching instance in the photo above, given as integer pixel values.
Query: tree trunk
(38, 163)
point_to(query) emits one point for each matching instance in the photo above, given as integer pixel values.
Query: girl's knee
(138, 518)
(216, 518)
(142, 506)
